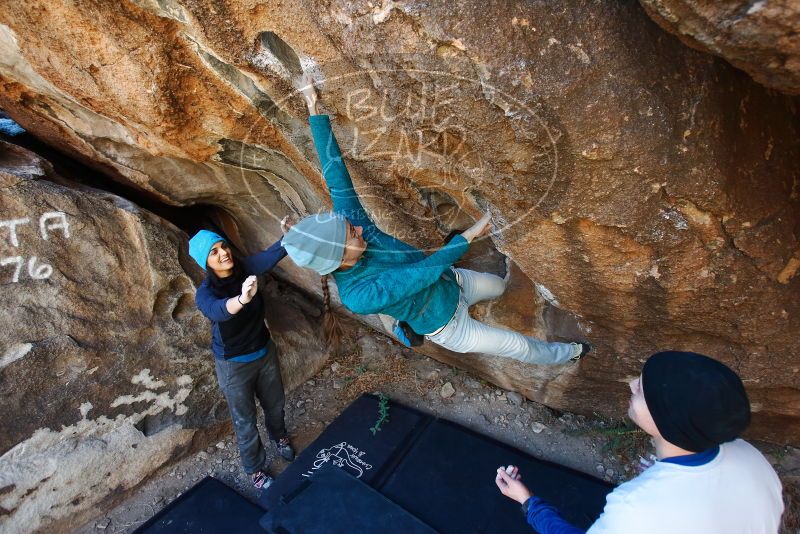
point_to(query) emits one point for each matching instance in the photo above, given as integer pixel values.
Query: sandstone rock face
(646, 194)
(761, 38)
(105, 364)
(104, 358)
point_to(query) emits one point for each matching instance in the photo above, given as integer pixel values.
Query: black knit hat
(696, 402)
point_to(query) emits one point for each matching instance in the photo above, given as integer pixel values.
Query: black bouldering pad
(439, 471)
(349, 444)
(336, 502)
(209, 507)
(452, 469)
(418, 473)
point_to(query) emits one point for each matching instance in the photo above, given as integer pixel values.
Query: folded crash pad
(209, 507)
(336, 502)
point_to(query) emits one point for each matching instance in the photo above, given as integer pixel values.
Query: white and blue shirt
(730, 489)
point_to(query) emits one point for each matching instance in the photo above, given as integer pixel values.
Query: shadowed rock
(761, 37)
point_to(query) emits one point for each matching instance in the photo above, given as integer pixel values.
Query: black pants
(242, 383)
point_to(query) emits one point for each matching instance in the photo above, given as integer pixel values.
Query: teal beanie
(317, 242)
(201, 244)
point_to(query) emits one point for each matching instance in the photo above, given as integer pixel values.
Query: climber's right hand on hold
(249, 288)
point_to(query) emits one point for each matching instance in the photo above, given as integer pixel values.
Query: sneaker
(585, 348)
(285, 449)
(261, 479)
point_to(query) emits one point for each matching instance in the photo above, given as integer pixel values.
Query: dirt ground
(373, 363)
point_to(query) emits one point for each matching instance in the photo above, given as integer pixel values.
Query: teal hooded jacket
(391, 277)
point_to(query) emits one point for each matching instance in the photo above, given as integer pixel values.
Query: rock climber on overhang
(377, 273)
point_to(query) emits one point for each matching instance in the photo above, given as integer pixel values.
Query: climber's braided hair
(330, 323)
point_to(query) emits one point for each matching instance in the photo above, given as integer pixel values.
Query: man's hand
(510, 485)
(286, 223)
(249, 288)
(482, 227)
(306, 86)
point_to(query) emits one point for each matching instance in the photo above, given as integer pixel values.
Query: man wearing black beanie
(706, 480)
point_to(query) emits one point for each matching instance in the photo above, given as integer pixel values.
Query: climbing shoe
(285, 449)
(585, 348)
(261, 479)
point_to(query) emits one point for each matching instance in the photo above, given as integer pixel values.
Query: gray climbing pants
(242, 383)
(465, 334)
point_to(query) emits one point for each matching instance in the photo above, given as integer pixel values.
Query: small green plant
(780, 453)
(626, 442)
(383, 413)
(361, 369)
(623, 439)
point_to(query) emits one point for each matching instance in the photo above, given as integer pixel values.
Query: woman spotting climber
(377, 273)
(245, 356)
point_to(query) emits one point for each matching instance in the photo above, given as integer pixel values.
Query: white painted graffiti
(40, 272)
(12, 229)
(341, 455)
(45, 226)
(36, 270)
(50, 215)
